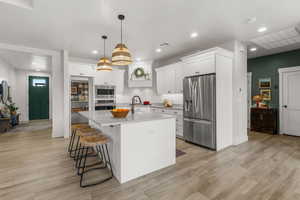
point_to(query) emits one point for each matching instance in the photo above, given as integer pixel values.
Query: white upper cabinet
(118, 80)
(169, 79)
(81, 69)
(104, 78)
(114, 77)
(179, 77)
(199, 64)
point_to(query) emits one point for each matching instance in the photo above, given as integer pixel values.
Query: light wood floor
(34, 167)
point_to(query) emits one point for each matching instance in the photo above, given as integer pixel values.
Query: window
(39, 82)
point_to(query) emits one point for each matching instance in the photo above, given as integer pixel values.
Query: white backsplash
(147, 94)
(175, 98)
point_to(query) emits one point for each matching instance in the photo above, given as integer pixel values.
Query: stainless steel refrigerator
(199, 122)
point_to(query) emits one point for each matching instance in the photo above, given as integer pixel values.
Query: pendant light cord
(121, 31)
(104, 46)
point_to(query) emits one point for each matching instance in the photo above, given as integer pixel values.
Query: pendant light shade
(104, 64)
(121, 55)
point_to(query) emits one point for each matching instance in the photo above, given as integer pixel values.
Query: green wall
(267, 67)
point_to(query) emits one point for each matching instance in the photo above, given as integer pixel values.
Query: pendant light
(104, 64)
(121, 55)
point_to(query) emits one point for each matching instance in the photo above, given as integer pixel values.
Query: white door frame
(59, 60)
(281, 72)
(249, 97)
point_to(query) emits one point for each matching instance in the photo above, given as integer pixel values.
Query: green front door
(38, 97)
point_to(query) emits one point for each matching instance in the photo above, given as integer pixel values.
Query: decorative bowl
(119, 113)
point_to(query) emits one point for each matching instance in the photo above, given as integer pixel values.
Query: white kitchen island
(140, 143)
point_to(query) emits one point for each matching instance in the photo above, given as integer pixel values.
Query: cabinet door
(178, 78)
(103, 78)
(78, 69)
(202, 67)
(170, 80)
(161, 82)
(118, 80)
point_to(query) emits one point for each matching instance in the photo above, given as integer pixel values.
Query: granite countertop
(105, 118)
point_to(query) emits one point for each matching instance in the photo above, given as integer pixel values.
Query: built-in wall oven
(105, 91)
(105, 97)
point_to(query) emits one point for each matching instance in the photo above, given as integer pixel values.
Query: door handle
(285, 106)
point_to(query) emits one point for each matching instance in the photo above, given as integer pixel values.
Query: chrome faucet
(133, 102)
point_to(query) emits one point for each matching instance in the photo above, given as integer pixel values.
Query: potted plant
(12, 108)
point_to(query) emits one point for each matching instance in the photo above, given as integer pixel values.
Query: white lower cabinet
(179, 118)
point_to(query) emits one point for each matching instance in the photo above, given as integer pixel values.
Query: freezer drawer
(200, 132)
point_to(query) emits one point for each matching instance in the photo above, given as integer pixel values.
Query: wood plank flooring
(33, 166)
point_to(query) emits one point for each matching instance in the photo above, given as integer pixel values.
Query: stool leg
(104, 156)
(112, 174)
(79, 158)
(86, 171)
(70, 147)
(83, 168)
(76, 147)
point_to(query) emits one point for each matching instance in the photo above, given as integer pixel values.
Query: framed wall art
(264, 83)
(266, 94)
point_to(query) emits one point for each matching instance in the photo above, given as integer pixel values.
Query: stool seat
(87, 132)
(78, 126)
(94, 140)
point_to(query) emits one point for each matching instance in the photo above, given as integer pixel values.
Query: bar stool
(80, 133)
(99, 143)
(74, 128)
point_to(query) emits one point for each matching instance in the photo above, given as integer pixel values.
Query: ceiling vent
(20, 3)
(278, 39)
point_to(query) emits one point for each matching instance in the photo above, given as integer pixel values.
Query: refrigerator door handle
(197, 121)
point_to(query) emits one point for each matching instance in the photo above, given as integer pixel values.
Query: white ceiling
(26, 61)
(77, 25)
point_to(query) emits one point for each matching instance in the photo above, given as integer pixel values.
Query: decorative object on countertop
(104, 64)
(146, 103)
(257, 99)
(119, 113)
(121, 55)
(168, 103)
(265, 83)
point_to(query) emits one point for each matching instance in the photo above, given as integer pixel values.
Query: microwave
(105, 91)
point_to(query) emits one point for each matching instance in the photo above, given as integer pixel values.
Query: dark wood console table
(264, 120)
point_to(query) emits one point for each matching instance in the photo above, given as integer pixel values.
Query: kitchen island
(141, 143)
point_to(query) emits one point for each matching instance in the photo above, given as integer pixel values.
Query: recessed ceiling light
(253, 49)
(95, 52)
(262, 29)
(193, 35)
(138, 59)
(158, 50)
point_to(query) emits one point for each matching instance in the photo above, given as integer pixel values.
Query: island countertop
(105, 118)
